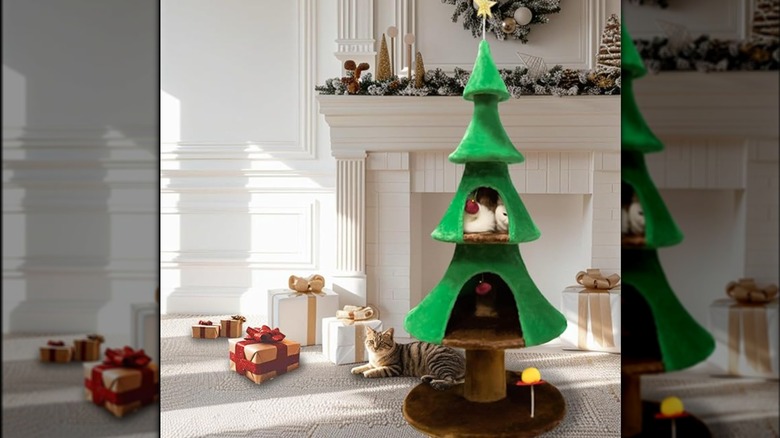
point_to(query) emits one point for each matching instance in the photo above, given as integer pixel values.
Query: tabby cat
(437, 365)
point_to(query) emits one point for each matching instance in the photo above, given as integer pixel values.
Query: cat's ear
(369, 330)
(390, 332)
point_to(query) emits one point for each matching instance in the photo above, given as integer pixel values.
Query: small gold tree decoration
(383, 71)
(610, 46)
(419, 71)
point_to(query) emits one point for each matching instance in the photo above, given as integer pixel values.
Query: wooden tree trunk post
(485, 376)
(631, 394)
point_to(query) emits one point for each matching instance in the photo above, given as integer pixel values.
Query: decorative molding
(139, 314)
(110, 267)
(593, 13)
(305, 148)
(402, 123)
(356, 32)
(740, 15)
(302, 254)
(726, 105)
(350, 216)
(541, 172)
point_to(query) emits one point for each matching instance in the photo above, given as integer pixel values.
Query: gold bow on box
(313, 283)
(750, 304)
(596, 297)
(350, 314)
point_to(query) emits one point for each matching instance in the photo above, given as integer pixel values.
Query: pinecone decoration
(569, 78)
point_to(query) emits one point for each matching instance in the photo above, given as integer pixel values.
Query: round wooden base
(448, 414)
(653, 427)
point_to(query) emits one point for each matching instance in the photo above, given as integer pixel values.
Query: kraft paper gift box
(299, 314)
(88, 349)
(56, 351)
(205, 330)
(593, 319)
(124, 382)
(345, 343)
(746, 338)
(261, 361)
(233, 327)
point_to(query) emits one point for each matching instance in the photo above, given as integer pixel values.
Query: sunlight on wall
(170, 118)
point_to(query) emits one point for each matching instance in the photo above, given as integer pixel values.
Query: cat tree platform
(488, 403)
(485, 237)
(449, 414)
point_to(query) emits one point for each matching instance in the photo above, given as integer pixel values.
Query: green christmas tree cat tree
(659, 335)
(486, 302)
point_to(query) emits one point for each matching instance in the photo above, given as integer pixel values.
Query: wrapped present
(343, 339)
(592, 311)
(745, 328)
(123, 382)
(205, 330)
(233, 327)
(299, 314)
(56, 351)
(87, 350)
(263, 354)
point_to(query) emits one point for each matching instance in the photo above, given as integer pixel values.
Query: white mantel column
(356, 32)
(350, 280)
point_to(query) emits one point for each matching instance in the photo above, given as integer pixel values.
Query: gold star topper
(484, 8)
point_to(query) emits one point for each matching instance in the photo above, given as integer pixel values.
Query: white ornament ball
(523, 15)
(636, 219)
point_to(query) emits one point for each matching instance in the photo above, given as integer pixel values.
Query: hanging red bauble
(472, 207)
(483, 288)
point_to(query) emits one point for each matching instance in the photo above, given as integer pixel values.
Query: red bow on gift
(127, 357)
(264, 334)
(56, 343)
(205, 323)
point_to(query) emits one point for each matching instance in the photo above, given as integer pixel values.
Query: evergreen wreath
(503, 24)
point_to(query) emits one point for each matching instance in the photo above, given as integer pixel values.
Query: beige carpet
(47, 400)
(200, 397)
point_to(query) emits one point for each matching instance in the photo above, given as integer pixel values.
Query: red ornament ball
(483, 288)
(472, 207)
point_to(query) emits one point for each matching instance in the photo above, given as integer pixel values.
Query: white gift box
(299, 315)
(342, 343)
(592, 319)
(752, 332)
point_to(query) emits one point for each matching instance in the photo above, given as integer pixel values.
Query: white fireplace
(394, 181)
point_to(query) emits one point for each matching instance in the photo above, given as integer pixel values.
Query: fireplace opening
(482, 311)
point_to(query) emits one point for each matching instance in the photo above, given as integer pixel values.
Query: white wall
(79, 165)
(247, 180)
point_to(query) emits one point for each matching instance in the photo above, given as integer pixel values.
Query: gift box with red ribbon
(233, 327)
(124, 381)
(87, 350)
(205, 330)
(56, 351)
(263, 354)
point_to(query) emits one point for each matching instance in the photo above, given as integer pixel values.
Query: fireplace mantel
(361, 124)
(571, 144)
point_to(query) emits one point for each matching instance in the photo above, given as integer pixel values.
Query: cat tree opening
(490, 199)
(632, 217)
(488, 321)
